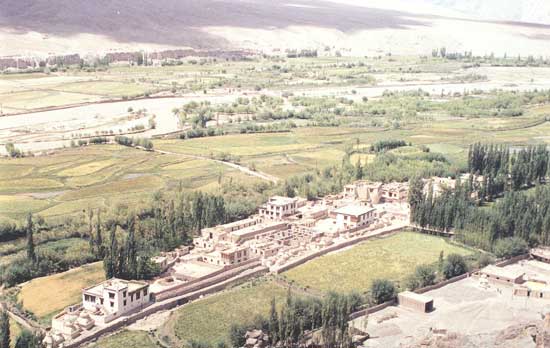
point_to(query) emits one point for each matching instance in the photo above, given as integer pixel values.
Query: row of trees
(169, 223)
(524, 167)
(522, 214)
(290, 325)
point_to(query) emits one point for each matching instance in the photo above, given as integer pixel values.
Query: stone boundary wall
(165, 305)
(439, 285)
(512, 260)
(332, 248)
(218, 276)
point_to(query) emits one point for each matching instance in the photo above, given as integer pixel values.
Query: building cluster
(534, 283)
(289, 228)
(283, 231)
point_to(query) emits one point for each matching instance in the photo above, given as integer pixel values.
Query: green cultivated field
(125, 339)
(392, 257)
(72, 180)
(209, 320)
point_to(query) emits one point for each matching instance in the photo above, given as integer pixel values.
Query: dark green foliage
(13, 151)
(287, 327)
(4, 329)
(525, 167)
(382, 290)
(424, 275)
(510, 247)
(98, 140)
(31, 255)
(385, 145)
(27, 340)
(454, 265)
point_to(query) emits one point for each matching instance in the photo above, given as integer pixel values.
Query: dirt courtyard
(463, 307)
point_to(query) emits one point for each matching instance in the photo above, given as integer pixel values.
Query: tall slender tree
(31, 254)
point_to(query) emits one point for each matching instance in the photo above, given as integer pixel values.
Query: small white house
(115, 297)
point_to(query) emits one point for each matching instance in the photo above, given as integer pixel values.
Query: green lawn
(209, 320)
(125, 339)
(393, 257)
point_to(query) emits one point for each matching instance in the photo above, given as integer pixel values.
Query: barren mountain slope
(355, 27)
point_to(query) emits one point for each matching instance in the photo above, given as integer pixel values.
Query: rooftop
(354, 210)
(254, 228)
(502, 272)
(416, 297)
(541, 252)
(115, 284)
(280, 200)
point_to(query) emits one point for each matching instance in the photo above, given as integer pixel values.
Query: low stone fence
(442, 283)
(218, 276)
(372, 309)
(332, 248)
(512, 260)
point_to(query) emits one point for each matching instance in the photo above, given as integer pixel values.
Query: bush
(484, 260)
(425, 275)
(510, 247)
(454, 265)
(382, 290)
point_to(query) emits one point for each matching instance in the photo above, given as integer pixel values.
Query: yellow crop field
(48, 295)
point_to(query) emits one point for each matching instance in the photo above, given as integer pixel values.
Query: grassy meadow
(393, 257)
(125, 339)
(208, 320)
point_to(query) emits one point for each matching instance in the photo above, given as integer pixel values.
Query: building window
(124, 302)
(145, 292)
(137, 295)
(111, 295)
(112, 304)
(124, 294)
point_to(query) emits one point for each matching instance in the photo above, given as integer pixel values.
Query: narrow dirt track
(246, 170)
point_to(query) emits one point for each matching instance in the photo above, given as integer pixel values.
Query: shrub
(382, 290)
(510, 247)
(454, 265)
(484, 260)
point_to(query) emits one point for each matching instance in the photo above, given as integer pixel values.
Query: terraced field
(96, 176)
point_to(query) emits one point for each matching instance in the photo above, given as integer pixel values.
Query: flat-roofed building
(278, 207)
(352, 216)
(395, 192)
(501, 275)
(533, 288)
(414, 301)
(115, 297)
(229, 256)
(255, 231)
(211, 236)
(541, 254)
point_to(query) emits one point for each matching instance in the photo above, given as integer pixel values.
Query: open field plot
(106, 88)
(28, 100)
(125, 339)
(208, 320)
(77, 178)
(47, 296)
(392, 257)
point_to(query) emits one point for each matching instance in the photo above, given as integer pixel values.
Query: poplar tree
(31, 255)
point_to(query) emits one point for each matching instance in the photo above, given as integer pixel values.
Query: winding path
(239, 167)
